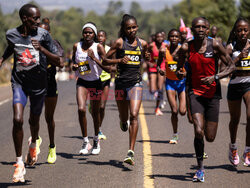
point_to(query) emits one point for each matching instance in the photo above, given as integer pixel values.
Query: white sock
(233, 146)
(247, 149)
(86, 139)
(175, 134)
(19, 160)
(32, 145)
(95, 137)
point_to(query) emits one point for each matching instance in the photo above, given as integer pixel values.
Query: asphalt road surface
(157, 163)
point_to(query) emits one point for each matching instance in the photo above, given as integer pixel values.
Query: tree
(244, 9)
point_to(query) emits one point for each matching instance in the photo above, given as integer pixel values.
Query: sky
(99, 6)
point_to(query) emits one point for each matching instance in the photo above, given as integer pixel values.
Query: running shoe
(101, 136)
(205, 156)
(130, 158)
(96, 147)
(38, 144)
(52, 155)
(124, 126)
(86, 146)
(199, 176)
(233, 156)
(19, 173)
(246, 157)
(174, 140)
(158, 112)
(31, 157)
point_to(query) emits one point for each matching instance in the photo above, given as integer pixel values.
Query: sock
(86, 139)
(19, 160)
(175, 134)
(247, 149)
(32, 145)
(52, 145)
(233, 146)
(199, 150)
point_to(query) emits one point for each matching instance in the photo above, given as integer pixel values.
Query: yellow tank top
(105, 75)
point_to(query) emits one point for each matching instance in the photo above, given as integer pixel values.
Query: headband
(92, 26)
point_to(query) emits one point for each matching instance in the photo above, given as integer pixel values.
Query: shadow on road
(78, 137)
(225, 166)
(70, 156)
(5, 185)
(174, 177)
(7, 163)
(154, 141)
(114, 163)
(175, 155)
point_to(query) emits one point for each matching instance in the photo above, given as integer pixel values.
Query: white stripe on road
(4, 101)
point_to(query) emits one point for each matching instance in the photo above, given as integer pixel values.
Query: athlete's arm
(53, 58)
(7, 53)
(145, 52)
(162, 55)
(102, 54)
(108, 59)
(181, 55)
(75, 65)
(225, 58)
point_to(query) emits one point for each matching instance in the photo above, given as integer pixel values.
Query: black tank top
(129, 74)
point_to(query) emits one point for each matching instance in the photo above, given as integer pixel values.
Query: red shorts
(154, 69)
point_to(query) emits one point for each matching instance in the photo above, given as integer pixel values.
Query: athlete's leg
(246, 98)
(122, 104)
(19, 102)
(50, 105)
(235, 113)
(135, 96)
(81, 97)
(152, 82)
(182, 103)
(95, 113)
(103, 103)
(160, 82)
(198, 120)
(171, 95)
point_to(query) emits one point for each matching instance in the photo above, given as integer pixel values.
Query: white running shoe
(86, 146)
(96, 147)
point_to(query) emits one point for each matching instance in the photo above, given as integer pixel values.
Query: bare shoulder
(143, 42)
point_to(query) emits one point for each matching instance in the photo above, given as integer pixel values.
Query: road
(158, 163)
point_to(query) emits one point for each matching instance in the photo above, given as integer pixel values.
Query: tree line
(66, 25)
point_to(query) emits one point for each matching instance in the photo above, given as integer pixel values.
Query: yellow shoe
(101, 136)
(52, 155)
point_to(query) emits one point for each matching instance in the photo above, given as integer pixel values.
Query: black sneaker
(124, 126)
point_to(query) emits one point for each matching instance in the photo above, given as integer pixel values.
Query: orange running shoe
(19, 173)
(158, 112)
(31, 157)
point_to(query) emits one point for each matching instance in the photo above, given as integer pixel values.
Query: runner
(31, 46)
(239, 87)
(51, 98)
(156, 80)
(105, 78)
(204, 85)
(214, 31)
(129, 51)
(174, 86)
(87, 56)
(183, 31)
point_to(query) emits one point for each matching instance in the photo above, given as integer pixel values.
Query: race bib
(84, 68)
(244, 64)
(135, 57)
(172, 65)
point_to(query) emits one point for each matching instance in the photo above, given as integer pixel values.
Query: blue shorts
(176, 85)
(20, 96)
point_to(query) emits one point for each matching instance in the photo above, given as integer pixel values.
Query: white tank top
(88, 69)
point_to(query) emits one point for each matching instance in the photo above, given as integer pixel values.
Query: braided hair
(232, 36)
(125, 18)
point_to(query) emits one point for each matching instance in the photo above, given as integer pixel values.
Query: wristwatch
(216, 77)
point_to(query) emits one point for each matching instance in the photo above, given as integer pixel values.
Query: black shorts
(52, 88)
(94, 87)
(236, 91)
(209, 107)
(106, 83)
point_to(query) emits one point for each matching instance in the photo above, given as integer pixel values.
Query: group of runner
(189, 68)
